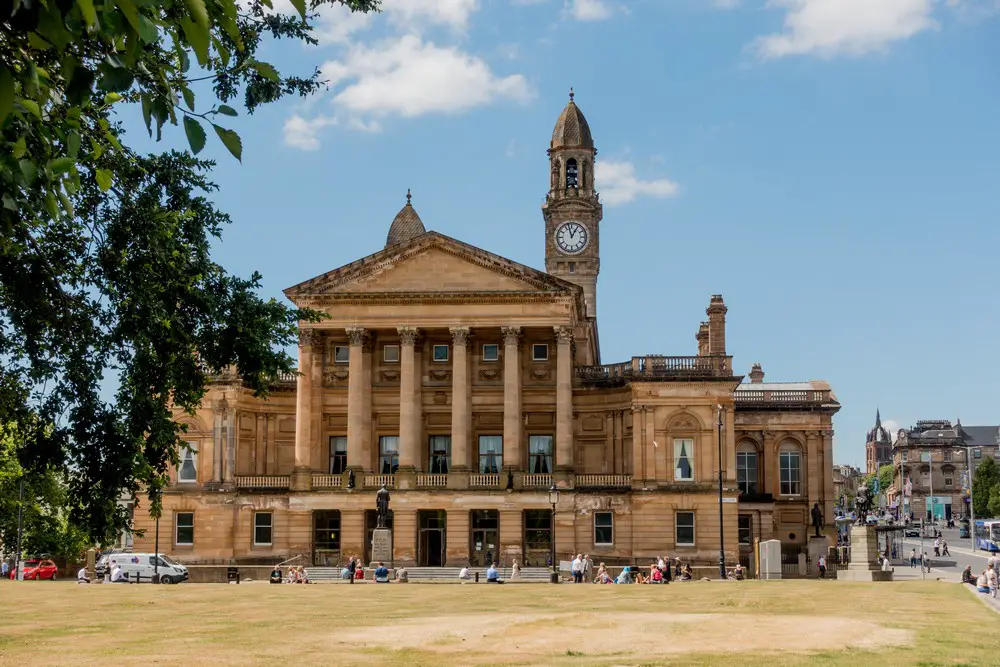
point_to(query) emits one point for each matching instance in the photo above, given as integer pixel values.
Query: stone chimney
(716, 312)
(756, 374)
(702, 338)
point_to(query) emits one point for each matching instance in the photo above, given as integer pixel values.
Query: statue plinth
(864, 557)
(382, 546)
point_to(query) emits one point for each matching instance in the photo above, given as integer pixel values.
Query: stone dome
(572, 129)
(405, 226)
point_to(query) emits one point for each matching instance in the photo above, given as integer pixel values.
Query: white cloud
(452, 13)
(854, 27)
(892, 427)
(302, 133)
(726, 4)
(587, 10)
(618, 184)
(410, 77)
(336, 23)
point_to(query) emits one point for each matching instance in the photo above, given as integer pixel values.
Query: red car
(38, 569)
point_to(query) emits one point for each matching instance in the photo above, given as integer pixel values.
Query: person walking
(937, 547)
(576, 568)
(925, 562)
(821, 563)
(913, 558)
(588, 568)
(515, 571)
(944, 548)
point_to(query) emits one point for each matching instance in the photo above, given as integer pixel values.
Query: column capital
(357, 336)
(564, 335)
(407, 335)
(460, 336)
(308, 337)
(511, 335)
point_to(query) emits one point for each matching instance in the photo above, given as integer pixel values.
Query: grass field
(698, 623)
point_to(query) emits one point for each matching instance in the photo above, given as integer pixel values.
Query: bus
(988, 535)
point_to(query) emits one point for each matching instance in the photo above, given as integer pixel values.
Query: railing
(484, 480)
(375, 481)
(432, 481)
(603, 481)
(327, 481)
(262, 482)
(781, 397)
(655, 367)
(535, 480)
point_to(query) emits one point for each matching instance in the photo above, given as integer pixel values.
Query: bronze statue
(350, 478)
(817, 518)
(382, 506)
(862, 505)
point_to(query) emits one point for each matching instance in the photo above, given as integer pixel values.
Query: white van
(145, 565)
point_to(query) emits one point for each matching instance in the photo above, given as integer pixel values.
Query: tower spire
(878, 418)
(408, 196)
(571, 93)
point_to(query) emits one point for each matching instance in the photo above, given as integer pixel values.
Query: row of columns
(308, 418)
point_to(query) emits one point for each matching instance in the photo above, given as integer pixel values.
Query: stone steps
(528, 574)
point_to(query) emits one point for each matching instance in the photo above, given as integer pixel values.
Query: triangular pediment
(435, 263)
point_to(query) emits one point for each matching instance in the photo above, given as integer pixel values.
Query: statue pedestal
(864, 557)
(818, 546)
(382, 546)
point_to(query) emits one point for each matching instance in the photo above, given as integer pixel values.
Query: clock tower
(572, 210)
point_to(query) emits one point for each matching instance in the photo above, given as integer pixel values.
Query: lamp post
(20, 531)
(722, 547)
(554, 500)
(156, 548)
(972, 511)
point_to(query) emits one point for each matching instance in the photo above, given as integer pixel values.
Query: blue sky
(829, 166)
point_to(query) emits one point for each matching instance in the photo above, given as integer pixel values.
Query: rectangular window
(744, 529)
(947, 455)
(540, 454)
(790, 468)
(746, 472)
(925, 480)
(341, 354)
(390, 354)
(338, 454)
(184, 528)
(572, 267)
(440, 353)
(540, 352)
(263, 523)
(491, 352)
(683, 459)
(439, 454)
(388, 454)
(948, 482)
(490, 454)
(685, 529)
(188, 470)
(604, 528)
(977, 453)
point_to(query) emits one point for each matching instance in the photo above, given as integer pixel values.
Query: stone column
(217, 441)
(460, 414)
(316, 422)
(813, 454)
(301, 476)
(260, 437)
(366, 403)
(512, 398)
(232, 425)
(826, 469)
(408, 400)
(768, 464)
(355, 400)
(564, 398)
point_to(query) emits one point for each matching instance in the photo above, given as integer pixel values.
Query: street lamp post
(972, 511)
(722, 547)
(554, 500)
(20, 531)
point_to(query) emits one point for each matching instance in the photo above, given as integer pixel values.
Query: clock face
(572, 237)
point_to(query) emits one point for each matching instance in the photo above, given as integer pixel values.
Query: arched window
(790, 469)
(583, 175)
(747, 475)
(571, 173)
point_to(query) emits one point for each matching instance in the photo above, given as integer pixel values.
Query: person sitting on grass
(655, 576)
(81, 576)
(687, 574)
(983, 583)
(276, 575)
(739, 574)
(625, 577)
(402, 576)
(303, 575)
(381, 574)
(967, 577)
(464, 574)
(492, 576)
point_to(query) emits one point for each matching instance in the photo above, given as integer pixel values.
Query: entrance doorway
(537, 537)
(484, 537)
(326, 538)
(431, 542)
(371, 522)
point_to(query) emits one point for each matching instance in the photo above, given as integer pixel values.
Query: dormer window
(571, 173)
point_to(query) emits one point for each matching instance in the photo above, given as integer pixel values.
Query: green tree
(985, 480)
(885, 476)
(105, 270)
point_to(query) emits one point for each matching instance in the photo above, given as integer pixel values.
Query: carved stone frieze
(357, 336)
(308, 337)
(389, 376)
(489, 373)
(459, 336)
(440, 398)
(511, 335)
(541, 373)
(439, 374)
(564, 334)
(408, 335)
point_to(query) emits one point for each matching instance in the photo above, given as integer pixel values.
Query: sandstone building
(470, 384)
(877, 446)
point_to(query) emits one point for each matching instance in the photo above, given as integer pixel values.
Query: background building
(931, 461)
(469, 384)
(846, 479)
(878, 447)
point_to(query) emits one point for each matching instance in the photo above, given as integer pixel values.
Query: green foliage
(994, 504)
(985, 483)
(885, 476)
(105, 271)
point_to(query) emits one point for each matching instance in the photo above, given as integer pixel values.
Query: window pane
(188, 471)
(746, 472)
(388, 448)
(184, 528)
(262, 528)
(439, 454)
(745, 529)
(490, 454)
(390, 353)
(683, 459)
(540, 454)
(341, 354)
(603, 528)
(540, 352)
(440, 353)
(491, 352)
(338, 454)
(685, 528)
(790, 473)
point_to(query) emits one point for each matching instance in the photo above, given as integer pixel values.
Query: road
(961, 556)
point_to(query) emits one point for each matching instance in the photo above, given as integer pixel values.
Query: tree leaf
(104, 179)
(231, 140)
(116, 79)
(195, 134)
(266, 70)
(148, 32)
(131, 13)
(87, 9)
(301, 6)
(6, 93)
(80, 83)
(32, 107)
(111, 98)
(147, 105)
(197, 36)
(227, 110)
(66, 203)
(73, 144)
(198, 12)
(19, 148)
(61, 165)
(188, 97)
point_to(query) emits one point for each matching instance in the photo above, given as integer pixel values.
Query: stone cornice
(396, 298)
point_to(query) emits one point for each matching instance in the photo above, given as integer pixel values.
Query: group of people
(296, 575)
(492, 573)
(988, 581)
(660, 572)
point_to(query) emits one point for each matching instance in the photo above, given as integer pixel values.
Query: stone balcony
(429, 481)
(656, 368)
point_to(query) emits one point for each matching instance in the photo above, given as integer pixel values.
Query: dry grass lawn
(699, 623)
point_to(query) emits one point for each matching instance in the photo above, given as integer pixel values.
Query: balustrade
(261, 482)
(781, 396)
(377, 481)
(603, 481)
(656, 367)
(432, 481)
(484, 480)
(535, 480)
(327, 481)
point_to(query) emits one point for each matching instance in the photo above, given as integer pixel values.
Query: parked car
(38, 569)
(911, 532)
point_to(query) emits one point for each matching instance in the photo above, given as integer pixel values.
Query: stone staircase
(438, 574)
